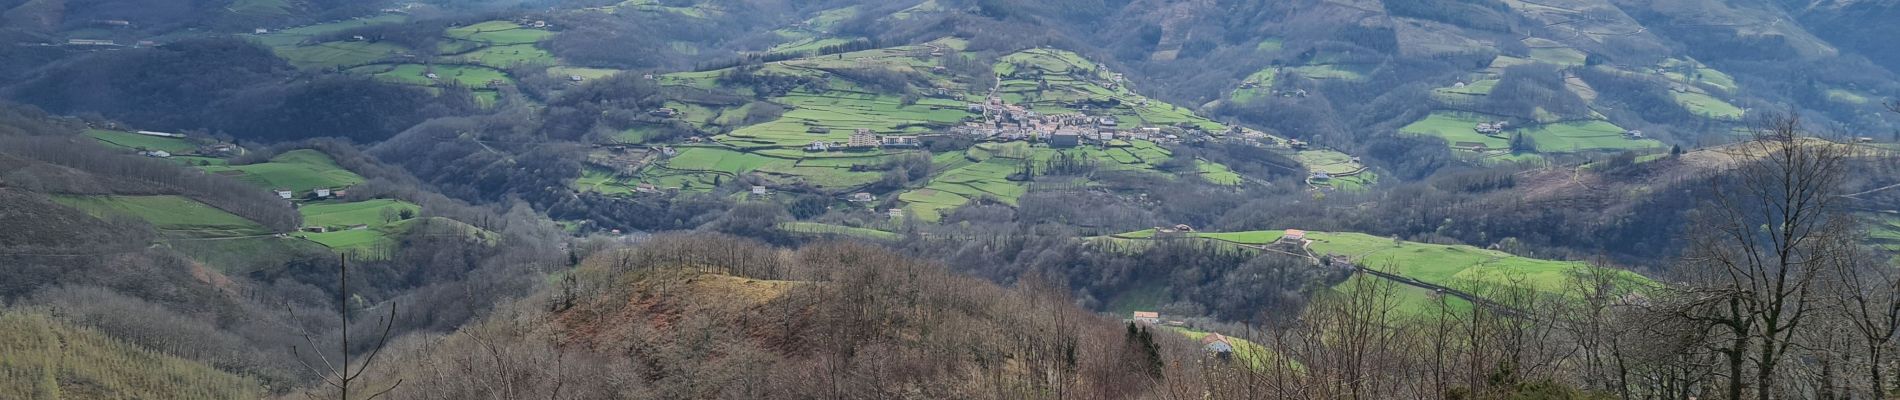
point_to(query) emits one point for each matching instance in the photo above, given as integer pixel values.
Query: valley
(775, 199)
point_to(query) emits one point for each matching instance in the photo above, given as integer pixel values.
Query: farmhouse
(156, 154)
(1146, 317)
(900, 141)
(323, 192)
(862, 197)
(1491, 128)
(1633, 134)
(818, 145)
(285, 194)
(759, 190)
(1217, 345)
(664, 112)
(895, 212)
(1293, 236)
(862, 138)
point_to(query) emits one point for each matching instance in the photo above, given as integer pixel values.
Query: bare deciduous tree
(1772, 229)
(340, 375)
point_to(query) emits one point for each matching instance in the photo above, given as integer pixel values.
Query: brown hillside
(698, 317)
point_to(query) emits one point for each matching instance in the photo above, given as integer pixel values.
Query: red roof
(1147, 314)
(1295, 233)
(1212, 338)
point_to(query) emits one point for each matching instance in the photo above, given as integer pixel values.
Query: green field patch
(1246, 237)
(654, 6)
(1502, 62)
(930, 204)
(1706, 105)
(471, 76)
(342, 54)
(1257, 85)
(807, 45)
(294, 36)
(173, 216)
(498, 33)
(1329, 71)
(1846, 96)
(135, 141)
(584, 73)
(1690, 71)
(1328, 161)
(1216, 173)
(604, 181)
(1577, 136)
(507, 56)
(713, 159)
(1552, 52)
(1253, 354)
(297, 170)
(816, 228)
(1457, 266)
(1457, 128)
(1468, 92)
(365, 213)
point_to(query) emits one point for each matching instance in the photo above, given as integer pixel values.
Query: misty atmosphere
(950, 199)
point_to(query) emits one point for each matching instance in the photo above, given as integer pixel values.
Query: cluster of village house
(1002, 121)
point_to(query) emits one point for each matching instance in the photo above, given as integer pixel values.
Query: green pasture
(297, 170)
(173, 216)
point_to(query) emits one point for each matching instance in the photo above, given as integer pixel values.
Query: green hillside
(366, 228)
(174, 216)
(1463, 267)
(298, 170)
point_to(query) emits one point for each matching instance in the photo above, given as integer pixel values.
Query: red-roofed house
(1147, 317)
(1293, 235)
(1217, 344)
